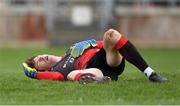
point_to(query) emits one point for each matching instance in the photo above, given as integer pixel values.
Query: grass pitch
(131, 88)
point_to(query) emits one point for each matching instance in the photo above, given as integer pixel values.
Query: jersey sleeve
(47, 75)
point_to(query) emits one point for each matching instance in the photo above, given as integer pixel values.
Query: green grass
(131, 88)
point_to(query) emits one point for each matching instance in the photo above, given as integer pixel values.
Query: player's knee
(111, 35)
(98, 73)
(110, 38)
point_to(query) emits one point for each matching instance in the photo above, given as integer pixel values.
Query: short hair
(30, 62)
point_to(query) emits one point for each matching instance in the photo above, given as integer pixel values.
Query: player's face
(44, 62)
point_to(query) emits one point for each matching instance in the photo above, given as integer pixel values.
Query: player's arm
(49, 76)
(33, 73)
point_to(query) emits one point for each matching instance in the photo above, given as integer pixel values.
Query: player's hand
(80, 47)
(30, 72)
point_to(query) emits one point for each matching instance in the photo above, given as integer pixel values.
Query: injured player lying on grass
(91, 61)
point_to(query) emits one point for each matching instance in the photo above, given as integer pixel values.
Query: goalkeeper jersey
(68, 64)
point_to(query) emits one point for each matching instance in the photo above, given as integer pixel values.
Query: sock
(148, 71)
(129, 52)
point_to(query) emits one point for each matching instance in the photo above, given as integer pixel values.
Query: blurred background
(147, 23)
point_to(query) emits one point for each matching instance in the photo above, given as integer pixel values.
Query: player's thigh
(95, 71)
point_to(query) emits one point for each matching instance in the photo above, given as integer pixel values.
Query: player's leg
(114, 40)
(113, 57)
(99, 61)
(85, 76)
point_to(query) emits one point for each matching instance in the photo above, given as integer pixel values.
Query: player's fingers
(82, 48)
(73, 51)
(77, 51)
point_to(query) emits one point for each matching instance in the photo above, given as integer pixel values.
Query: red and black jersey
(68, 64)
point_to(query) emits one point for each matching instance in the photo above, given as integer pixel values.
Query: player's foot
(157, 78)
(85, 79)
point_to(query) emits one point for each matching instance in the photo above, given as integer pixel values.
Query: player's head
(42, 62)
